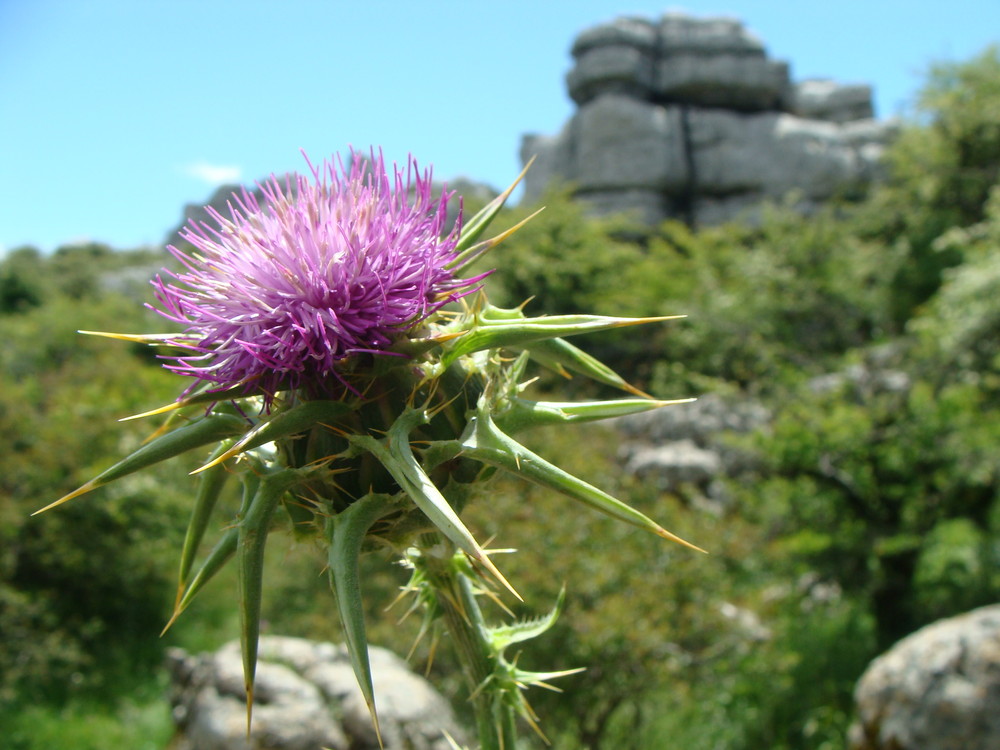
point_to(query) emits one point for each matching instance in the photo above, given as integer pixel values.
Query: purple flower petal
(279, 294)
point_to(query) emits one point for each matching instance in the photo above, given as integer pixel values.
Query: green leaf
(487, 334)
(207, 429)
(522, 413)
(473, 253)
(203, 396)
(281, 424)
(395, 455)
(486, 443)
(219, 555)
(253, 529)
(502, 636)
(216, 559)
(346, 532)
(474, 227)
(210, 485)
(564, 358)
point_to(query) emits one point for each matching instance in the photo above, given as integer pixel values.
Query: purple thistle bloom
(282, 293)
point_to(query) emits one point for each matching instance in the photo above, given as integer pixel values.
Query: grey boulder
(305, 698)
(937, 689)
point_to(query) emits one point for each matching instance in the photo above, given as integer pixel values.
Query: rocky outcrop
(937, 689)
(306, 697)
(688, 118)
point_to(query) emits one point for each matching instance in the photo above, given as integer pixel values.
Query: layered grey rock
(716, 62)
(305, 697)
(689, 118)
(937, 689)
(823, 99)
(614, 58)
(623, 143)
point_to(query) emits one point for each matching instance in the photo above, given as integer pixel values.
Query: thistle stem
(495, 718)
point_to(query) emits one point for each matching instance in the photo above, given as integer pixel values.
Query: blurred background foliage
(869, 331)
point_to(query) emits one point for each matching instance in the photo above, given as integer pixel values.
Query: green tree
(21, 283)
(865, 477)
(941, 170)
(90, 585)
(959, 331)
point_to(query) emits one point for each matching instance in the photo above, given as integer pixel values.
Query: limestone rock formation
(306, 697)
(688, 118)
(937, 689)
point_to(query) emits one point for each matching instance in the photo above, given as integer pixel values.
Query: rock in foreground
(306, 698)
(938, 689)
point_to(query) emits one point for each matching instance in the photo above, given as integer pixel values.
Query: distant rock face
(688, 118)
(938, 689)
(306, 697)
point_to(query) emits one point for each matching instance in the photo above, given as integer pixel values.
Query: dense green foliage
(942, 169)
(869, 331)
(83, 594)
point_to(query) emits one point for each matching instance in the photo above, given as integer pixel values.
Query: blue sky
(115, 113)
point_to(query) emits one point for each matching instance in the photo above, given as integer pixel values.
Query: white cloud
(213, 174)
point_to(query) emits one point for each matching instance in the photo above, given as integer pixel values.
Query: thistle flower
(283, 291)
(382, 411)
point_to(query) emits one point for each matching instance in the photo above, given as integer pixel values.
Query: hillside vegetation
(870, 331)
